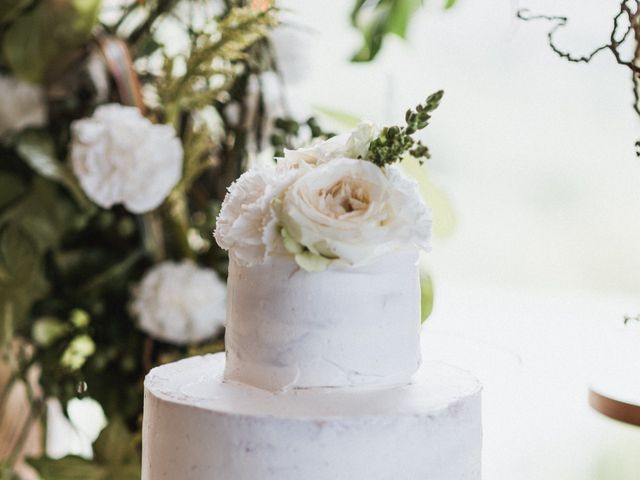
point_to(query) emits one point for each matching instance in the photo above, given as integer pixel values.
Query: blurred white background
(537, 158)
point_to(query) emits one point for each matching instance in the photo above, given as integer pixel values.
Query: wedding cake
(322, 376)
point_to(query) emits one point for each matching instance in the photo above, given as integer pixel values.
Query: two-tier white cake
(322, 378)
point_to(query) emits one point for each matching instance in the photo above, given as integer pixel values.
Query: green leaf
(126, 472)
(312, 262)
(115, 445)
(21, 277)
(444, 215)
(44, 34)
(29, 228)
(68, 468)
(18, 254)
(10, 9)
(372, 35)
(355, 11)
(426, 297)
(378, 18)
(400, 16)
(384, 17)
(345, 119)
(38, 150)
(11, 188)
(41, 214)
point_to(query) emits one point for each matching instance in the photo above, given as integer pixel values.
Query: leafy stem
(393, 142)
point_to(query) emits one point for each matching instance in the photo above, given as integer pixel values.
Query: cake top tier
(323, 278)
(339, 201)
(345, 327)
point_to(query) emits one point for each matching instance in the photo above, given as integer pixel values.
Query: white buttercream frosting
(346, 326)
(197, 427)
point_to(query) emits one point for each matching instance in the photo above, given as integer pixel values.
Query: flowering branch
(393, 142)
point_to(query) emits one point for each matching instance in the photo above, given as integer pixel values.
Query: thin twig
(612, 46)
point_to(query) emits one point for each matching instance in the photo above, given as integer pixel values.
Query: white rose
(317, 154)
(121, 157)
(359, 140)
(22, 105)
(414, 219)
(180, 303)
(347, 145)
(351, 210)
(247, 225)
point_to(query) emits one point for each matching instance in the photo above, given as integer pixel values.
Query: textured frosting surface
(198, 427)
(347, 326)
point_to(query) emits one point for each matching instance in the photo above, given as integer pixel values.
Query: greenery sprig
(394, 142)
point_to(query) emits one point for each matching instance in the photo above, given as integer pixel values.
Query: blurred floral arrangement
(121, 125)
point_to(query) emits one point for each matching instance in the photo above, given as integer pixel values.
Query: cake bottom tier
(197, 427)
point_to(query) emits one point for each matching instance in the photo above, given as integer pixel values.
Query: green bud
(47, 330)
(289, 243)
(77, 352)
(312, 262)
(79, 318)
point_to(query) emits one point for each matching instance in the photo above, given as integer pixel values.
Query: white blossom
(351, 210)
(121, 157)
(247, 225)
(314, 155)
(180, 303)
(22, 105)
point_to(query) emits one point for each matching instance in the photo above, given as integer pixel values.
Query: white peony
(180, 303)
(351, 210)
(247, 225)
(121, 157)
(22, 105)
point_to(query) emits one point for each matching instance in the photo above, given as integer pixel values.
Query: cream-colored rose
(351, 210)
(247, 225)
(121, 157)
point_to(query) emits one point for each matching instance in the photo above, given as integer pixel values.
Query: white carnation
(121, 157)
(22, 105)
(247, 225)
(180, 303)
(352, 210)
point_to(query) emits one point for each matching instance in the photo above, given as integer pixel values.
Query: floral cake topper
(340, 200)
